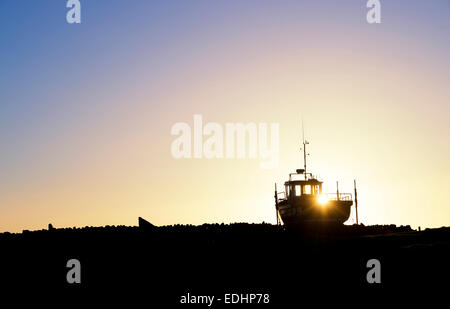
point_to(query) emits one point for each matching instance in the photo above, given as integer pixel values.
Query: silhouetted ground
(161, 264)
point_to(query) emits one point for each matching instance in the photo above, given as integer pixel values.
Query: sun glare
(323, 200)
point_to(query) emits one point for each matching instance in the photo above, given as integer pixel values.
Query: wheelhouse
(308, 187)
(303, 188)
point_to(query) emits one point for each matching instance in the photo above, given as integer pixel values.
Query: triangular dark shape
(144, 224)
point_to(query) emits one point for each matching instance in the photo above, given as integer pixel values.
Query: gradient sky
(86, 110)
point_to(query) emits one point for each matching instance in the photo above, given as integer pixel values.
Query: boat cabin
(298, 188)
(309, 186)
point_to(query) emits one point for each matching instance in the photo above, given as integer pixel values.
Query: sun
(323, 200)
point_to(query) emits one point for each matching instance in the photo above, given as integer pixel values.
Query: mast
(276, 205)
(337, 190)
(304, 148)
(356, 202)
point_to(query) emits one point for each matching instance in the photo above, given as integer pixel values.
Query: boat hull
(298, 213)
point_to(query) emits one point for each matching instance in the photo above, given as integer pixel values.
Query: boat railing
(301, 176)
(342, 196)
(281, 196)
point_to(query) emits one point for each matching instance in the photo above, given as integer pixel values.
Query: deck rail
(342, 196)
(281, 196)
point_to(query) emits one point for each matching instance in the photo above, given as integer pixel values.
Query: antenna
(304, 147)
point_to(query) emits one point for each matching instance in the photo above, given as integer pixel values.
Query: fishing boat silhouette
(303, 203)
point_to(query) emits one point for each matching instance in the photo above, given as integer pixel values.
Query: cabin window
(316, 190)
(307, 189)
(298, 190)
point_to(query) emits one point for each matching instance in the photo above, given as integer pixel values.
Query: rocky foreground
(170, 261)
